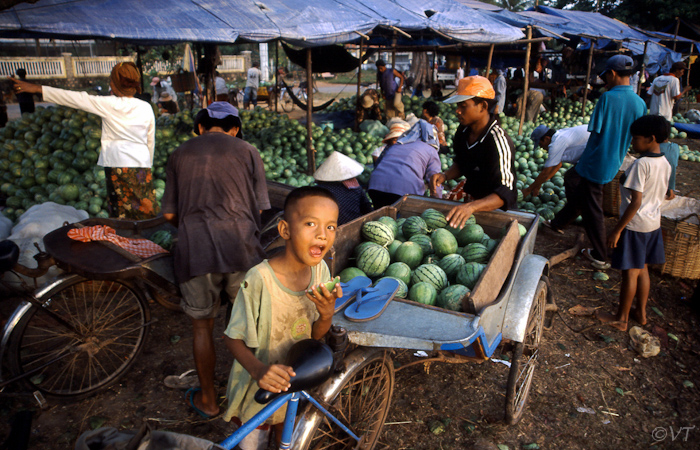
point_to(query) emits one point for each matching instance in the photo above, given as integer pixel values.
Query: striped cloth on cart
(139, 247)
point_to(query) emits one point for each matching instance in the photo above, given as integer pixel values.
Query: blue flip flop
(189, 396)
(371, 302)
(350, 290)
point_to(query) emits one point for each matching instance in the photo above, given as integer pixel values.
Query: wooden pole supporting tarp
(310, 152)
(588, 78)
(526, 81)
(675, 33)
(488, 61)
(275, 91)
(643, 68)
(358, 100)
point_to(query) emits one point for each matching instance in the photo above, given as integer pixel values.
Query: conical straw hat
(338, 167)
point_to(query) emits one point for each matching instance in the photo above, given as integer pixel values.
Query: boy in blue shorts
(278, 305)
(637, 239)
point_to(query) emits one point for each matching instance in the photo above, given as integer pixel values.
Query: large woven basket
(682, 247)
(611, 196)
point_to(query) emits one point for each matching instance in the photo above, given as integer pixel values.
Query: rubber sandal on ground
(189, 396)
(185, 380)
(371, 302)
(597, 264)
(350, 290)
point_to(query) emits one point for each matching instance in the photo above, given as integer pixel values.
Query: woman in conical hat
(338, 175)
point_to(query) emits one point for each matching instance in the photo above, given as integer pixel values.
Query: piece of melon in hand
(330, 285)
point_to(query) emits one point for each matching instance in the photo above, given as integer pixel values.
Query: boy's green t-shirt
(268, 331)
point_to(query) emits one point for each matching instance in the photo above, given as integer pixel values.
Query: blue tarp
(300, 22)
(593, 25)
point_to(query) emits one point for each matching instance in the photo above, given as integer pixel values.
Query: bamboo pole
(488, 62)
(687, 72)
(588, 78)
(526, 81)
(393, 52)
(358, 100)
(643, 68)
(675, 33)
(276, 90)
(310, 151)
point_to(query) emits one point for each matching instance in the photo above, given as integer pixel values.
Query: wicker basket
(611, 196)
(682, 247)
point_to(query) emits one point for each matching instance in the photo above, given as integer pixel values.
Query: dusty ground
(631, 402)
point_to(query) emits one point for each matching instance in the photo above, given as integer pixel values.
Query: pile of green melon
(434, 263)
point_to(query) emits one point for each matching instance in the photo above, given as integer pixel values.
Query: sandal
(371, 302)
(182, 381)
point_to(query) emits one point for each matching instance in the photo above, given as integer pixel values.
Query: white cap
(338, 167)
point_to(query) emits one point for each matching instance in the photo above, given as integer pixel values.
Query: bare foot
(639, 316)
(611, 320)
(197, 400)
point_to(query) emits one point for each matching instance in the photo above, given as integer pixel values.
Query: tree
(512, 5)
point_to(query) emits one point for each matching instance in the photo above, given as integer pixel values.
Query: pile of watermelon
(434, 263)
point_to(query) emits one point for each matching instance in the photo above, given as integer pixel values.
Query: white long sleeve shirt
(128, 125)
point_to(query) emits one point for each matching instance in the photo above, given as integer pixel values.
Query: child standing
(636, 239)
(278, 305)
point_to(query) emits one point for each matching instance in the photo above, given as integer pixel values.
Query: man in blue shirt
(391, 91)
(607, 146)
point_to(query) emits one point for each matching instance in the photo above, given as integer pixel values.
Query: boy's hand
(613, 238)
(275, 378)
(325, 299)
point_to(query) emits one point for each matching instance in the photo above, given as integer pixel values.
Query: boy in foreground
(279, 304)
(637, 239)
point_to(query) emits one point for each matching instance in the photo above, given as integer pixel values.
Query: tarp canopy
(591, 24)
(304, 23)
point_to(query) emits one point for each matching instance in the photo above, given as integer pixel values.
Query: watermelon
(403, 287)
(454, 231)
(400, 271)
(414, 225)
(361, 246)
(391, 223)
(377, 232)
(451, 297)
(521, 229)
(470, 234)
(426, 244)
(469, 274)
(393, 247)
(451, 264)
(475, 253)
(434, 219)
(444, 242)
(373, 260)
(349, 273)
(423, 293)
(163, 238)
(409, 253)
(490, 244)
(430, 259)
(430, 273)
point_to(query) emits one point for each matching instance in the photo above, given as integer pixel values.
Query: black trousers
(584, 198)
(380, 198)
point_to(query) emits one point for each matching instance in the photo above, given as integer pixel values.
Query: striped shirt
(487, 164)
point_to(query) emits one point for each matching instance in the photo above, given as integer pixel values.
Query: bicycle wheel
(106, 324)
(286, 101)
(524, 358)
(359, 397)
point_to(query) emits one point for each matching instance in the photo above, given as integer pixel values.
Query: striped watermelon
(444, 242)
(349, 273)
(469, 274)
(451, 264)
(475, 253)
(423, 293)
(491, 244)
(454, 231)
(361, 246)
(409, 253)
(399, 223)
(451, 297)
(403, 287)
(414, 225)
(378, 232)
(430, 259)
(393, 247)
(373, 260)
(430, 273)
(521, 229)
(386, 220)
(485, 238)
(470, 234)
(400, 271)
(426, 244)
(434, 219)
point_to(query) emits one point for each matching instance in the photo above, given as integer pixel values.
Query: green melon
(470, 234)
(373, 260)
(444, 242)
(393, 247)
(423, 293)
(451, 297)
(434, 219)
(469, 274)
(377, 232)
(426, 244)
(430, 259)
(475, 253)
(349, 273)
(491, 244)
(409, 253)
(391, 223)
(399, 271)
(163, 238)
(521, 229)
(361, 246)
(451, 264)
(403, 287)
(430, 273)
(414, 225)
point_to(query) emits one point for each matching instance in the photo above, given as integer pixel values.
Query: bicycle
(281, 94)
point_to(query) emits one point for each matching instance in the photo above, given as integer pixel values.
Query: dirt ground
(590, 390)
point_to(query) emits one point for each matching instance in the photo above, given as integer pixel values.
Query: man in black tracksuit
(483, 153)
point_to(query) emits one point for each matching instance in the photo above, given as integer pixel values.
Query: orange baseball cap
(471, 87)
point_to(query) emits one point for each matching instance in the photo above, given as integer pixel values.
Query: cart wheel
(359, 397)
(167, 301)
(286, 101)
(106, 324)
(524, 359)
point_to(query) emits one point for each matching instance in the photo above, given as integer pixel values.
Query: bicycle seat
(9, 255)
(312, 362)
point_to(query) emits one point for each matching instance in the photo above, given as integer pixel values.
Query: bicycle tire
(524, 358)
(360, 397)
(164, 299)
(110, 321)
(286, 102)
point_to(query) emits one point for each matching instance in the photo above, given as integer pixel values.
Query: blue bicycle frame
(289, 420)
